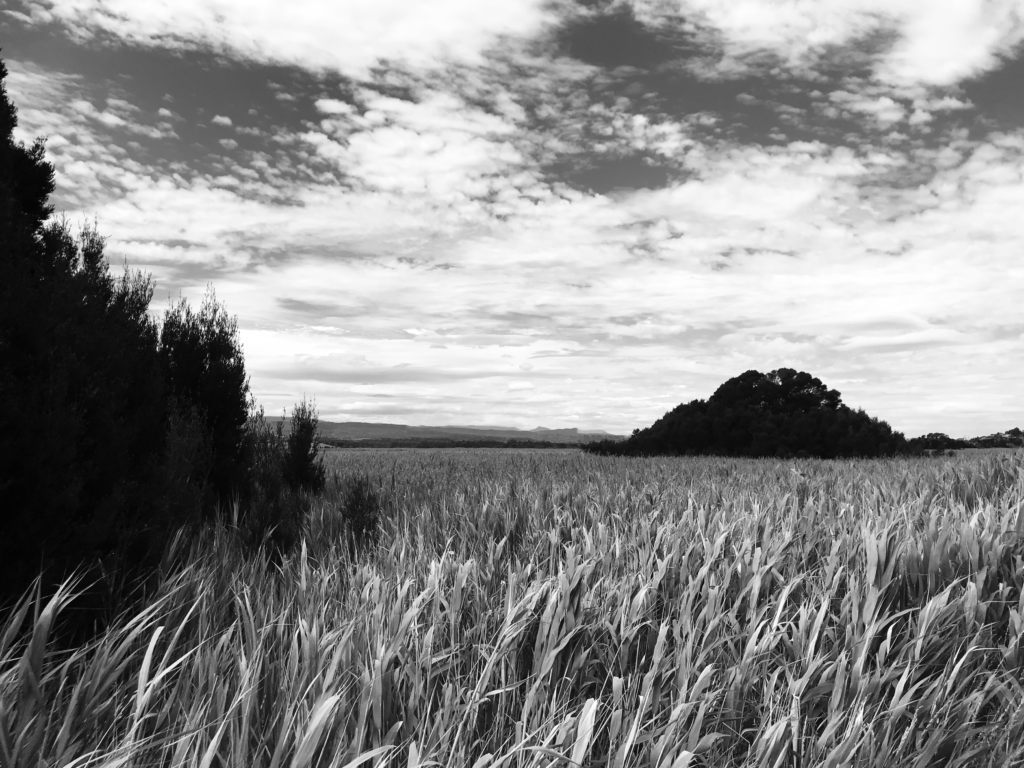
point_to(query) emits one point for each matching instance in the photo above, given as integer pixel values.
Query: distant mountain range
(362, 430)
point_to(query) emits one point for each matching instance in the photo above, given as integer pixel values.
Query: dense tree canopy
(108, 434)
(204, 370)
(781, 413)
(81, 424)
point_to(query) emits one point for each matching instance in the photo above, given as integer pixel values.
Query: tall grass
(542, 609)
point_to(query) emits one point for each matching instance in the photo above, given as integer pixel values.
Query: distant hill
(369, 431)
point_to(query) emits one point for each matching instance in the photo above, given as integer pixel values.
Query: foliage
(284, 472)
(109, 439)
(184, 487)
(1011, 438)
(81, 430)
(655, 613)
(303, 464)
(781, 413)
(937, 441)
(26, 179)
(264, 452)
(204, 367)
(360, 508)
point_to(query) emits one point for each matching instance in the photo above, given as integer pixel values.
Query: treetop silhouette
(781, 413)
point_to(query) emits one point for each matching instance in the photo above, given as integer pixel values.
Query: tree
(780, 413)
(112, 428)
(81, 428)
(205, 370)
(303, 465)
(26, 179)
(781, 391)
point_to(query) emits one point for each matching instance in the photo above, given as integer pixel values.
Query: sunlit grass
(552, 608)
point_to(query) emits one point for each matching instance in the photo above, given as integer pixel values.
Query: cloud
(934, 336)
(309, 33)
(937, 43)
(334, 107)
(575, 239)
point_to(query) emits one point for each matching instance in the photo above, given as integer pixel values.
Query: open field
(553, 608)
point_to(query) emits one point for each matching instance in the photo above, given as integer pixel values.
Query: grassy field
(552, 608)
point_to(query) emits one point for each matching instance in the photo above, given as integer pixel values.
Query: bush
(186, 468)
(264, 454)
(282, 471)
(204, 369)
(303, 464)
(360, 507)
(260, 509)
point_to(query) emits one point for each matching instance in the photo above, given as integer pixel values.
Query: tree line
(116, 429)
(939, 441)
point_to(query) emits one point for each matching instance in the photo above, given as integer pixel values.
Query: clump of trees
(784, 413)
(284, 471)
(116, 429)
(938, 441)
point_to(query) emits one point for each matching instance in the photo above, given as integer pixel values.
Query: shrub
(264, 453)
(259, 509)
(204, 368)
(186, 466)
(281, 471)
(360, 507)
(303, 464)
(114, 431)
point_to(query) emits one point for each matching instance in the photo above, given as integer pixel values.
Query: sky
(559, 214)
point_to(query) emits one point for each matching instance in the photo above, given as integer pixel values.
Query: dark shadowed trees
(780, 413)
(81, 425)
(303, 464)
(110, 431)
(204, 370)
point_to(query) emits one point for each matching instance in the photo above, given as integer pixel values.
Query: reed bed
(554, 608)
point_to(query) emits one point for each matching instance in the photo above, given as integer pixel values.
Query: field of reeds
(554, 608)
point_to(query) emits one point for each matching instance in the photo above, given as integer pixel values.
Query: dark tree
(303, 465)
(781, 413)
(110, 430)
(937, 441)
(26, 179)
(781, 391)
(81, 427)
(204, 370)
